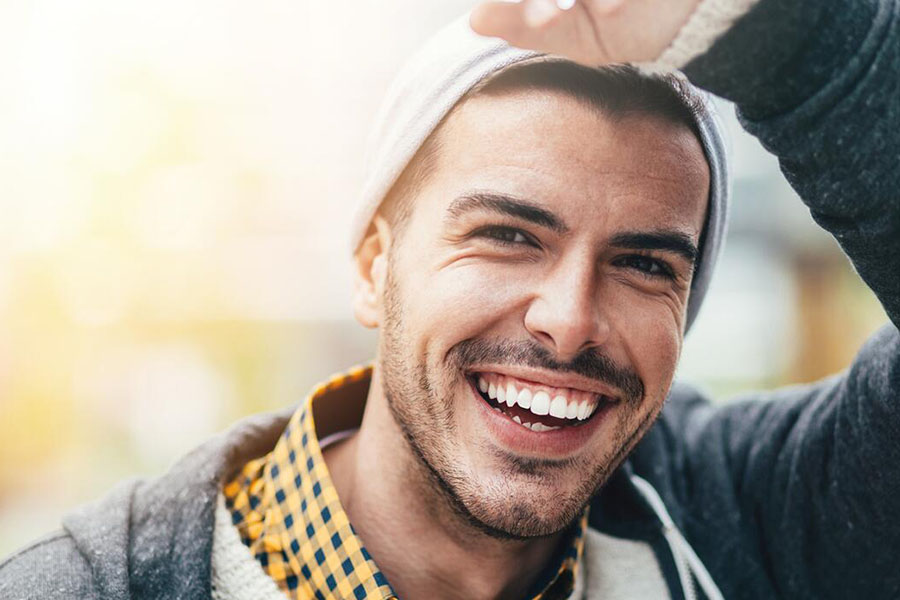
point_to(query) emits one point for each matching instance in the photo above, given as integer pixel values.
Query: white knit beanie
(439, 75)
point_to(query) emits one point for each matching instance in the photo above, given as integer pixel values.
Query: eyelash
(665, 271)
(500, 234)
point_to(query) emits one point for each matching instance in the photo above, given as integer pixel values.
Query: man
(533, 255)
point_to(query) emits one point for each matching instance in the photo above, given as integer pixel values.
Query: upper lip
(550, 378)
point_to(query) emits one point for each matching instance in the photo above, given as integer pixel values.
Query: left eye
(647, 265)
(505, 235)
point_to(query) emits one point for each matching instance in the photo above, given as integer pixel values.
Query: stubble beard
(422, 405)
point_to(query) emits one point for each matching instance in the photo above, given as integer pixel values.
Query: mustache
(590, 363)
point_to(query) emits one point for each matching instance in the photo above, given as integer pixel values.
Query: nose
(565, 314)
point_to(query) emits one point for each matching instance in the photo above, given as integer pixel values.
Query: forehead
(555, 150)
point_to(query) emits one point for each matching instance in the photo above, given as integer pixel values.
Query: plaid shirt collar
(288, 514)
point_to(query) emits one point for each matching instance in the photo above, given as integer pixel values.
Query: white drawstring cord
(681, 549)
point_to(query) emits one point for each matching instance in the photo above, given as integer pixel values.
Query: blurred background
(175, 185)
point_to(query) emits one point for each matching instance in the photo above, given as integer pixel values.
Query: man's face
(548, 259)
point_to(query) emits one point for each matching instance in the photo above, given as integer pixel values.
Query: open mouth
(536, 406)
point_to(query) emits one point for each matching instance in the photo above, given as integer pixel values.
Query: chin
(520, 505)
(525, 520)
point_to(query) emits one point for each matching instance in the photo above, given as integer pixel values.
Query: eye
(508, 236)
(647, 266)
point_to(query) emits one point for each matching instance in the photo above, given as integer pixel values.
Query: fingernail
(565, 4)
(538, 12)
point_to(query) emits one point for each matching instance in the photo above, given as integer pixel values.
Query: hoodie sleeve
(50, 569)
(818, 83)
(815, 471)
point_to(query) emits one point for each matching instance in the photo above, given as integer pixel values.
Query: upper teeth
(562, 403)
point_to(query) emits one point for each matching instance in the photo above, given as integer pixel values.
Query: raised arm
(817, 469)
(819, 84)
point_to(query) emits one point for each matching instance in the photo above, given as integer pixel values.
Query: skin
(458, 510)
(592, 32)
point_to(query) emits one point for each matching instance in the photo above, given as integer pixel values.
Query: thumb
(497, 19)
(521, 23)
(523, 19)
(530, 24)
(560, 27)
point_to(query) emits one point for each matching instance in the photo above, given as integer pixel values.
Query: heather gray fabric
(440, 74)
(146, 539)
(788, 494)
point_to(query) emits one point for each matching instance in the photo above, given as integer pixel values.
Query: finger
(605, 7)
(539, 13)
(523, 24)
(498, 19)
(505, 18)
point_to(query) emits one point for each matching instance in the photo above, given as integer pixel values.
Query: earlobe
(370, 273)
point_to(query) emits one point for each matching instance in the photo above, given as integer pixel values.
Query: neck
(424, 548)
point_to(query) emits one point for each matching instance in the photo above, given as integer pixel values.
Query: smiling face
(533, 309)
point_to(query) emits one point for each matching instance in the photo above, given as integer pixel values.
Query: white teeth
(519, 421)
(524, 398)
(539, 427)
(540, 404)
(558, 407)
(511, 395)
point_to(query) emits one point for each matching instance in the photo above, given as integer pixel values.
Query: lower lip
(557, 443)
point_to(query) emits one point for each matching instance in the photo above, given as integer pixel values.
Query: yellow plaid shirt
(287, 512)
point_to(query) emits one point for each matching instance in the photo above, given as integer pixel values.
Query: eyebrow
(667, 240)
(671, 241)
(506, 205)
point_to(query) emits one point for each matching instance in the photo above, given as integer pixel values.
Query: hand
(592, 32)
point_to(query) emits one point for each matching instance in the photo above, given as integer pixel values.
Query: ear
(370, 273)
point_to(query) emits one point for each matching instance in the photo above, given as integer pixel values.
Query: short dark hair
(617, 91)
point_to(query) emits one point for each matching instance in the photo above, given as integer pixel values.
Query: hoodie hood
(153, 539)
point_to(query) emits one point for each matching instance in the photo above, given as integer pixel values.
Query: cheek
(464, 301)
(651, 336)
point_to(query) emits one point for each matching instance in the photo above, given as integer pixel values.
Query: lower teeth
(539, 427)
